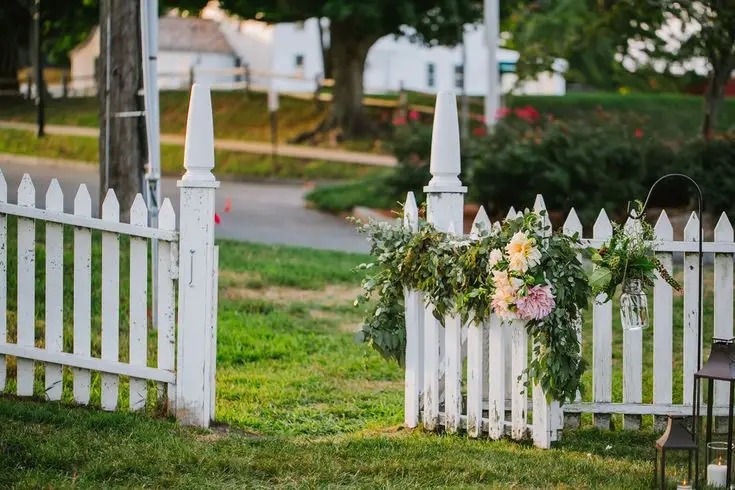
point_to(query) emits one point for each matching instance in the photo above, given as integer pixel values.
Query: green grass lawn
(299, 403)
(229, 164)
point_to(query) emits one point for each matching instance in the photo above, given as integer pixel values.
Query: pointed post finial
(445, 149)
(199, 146)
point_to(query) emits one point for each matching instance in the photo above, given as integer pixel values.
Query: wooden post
(248, 79)
(445, 198)
(196, 249)
(64, 84)
(191, 77)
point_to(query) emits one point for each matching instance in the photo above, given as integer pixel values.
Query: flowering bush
(515, 271)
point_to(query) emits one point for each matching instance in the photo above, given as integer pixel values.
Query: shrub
(588, 167)
(712, 165)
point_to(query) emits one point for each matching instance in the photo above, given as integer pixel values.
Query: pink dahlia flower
(537, 304)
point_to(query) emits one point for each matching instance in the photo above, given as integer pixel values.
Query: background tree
(65, 23)
(596, 35)
(354, 26)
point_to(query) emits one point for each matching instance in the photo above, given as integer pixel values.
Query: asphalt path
(260, 212)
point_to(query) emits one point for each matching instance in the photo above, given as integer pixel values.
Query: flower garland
(516, 271)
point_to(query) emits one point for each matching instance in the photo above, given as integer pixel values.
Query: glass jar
(717, 468)
(634, 306)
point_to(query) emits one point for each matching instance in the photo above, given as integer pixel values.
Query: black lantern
(718, 455)
(676, 438)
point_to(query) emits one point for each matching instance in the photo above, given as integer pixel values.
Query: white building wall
(292, 40)
(174, 67)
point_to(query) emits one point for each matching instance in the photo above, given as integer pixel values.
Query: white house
(184, 43)
(293, 50)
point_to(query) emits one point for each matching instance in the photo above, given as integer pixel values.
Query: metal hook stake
(191, 267)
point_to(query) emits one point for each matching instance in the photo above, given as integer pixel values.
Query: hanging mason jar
(634, 305)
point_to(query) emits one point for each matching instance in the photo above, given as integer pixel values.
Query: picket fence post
(445, 205)
(196, 249)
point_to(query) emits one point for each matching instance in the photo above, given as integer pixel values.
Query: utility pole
(122, 143)
(492, 98)
(40, 85)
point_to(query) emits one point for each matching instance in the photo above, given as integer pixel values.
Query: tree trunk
(349, 52)
(9, 62)
(124, 172)
(715, 94)
(326, 57)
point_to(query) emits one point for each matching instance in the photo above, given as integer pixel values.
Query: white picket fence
(495, 401)
(184, 366)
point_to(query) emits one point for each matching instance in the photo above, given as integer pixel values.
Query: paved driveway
(263, 213)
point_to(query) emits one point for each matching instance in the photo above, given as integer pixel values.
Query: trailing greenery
(627, 256)
(516, 271)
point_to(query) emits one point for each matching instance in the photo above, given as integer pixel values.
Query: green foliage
(627, 256)
(474, 278)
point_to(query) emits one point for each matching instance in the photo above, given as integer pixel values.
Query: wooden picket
(82, 295)
(54, 291)
(723, 298)
(663, 321)
(138, 303)
(413, 310)
(691, 281)
(26, 286)
(191, 396)
(167, 253)
(602, 335)
(110, 301)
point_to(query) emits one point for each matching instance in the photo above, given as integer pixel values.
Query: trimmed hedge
(585, 166)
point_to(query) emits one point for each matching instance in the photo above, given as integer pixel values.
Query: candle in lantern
(717, 473)
(684, 485)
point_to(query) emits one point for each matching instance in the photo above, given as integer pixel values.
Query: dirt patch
(329, 296)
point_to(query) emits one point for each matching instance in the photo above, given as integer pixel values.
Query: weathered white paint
(602, 334)
(519, 362)
(87, 222)
(723, 306)
(573, 226)
(413, 307)
(197, 192)
(26, 286)
(691, 285)
(632, 358)
(213, 336)
(3, 278)
(138, 304)
(497, 376)
(54, 327)
(87, 363)
(476, 347)
(82, 295)
(453, 361)
(546, 414)
(167, 300)
(663, 320)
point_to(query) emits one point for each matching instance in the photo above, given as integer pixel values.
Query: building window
(299, 61)
(459, 76)
(431, 75)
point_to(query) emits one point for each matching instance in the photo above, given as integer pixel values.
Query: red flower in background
(399, 121)
(638, 133)
(480, 131)
(503, 112)
(413, 115)
(217, 219)
(528, 113)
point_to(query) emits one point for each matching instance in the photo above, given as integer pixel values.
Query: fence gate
(180, 361)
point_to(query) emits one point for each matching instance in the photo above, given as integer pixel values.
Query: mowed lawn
(299, 404)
